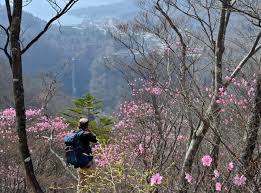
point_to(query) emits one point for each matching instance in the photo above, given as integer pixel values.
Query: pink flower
(239, 180)
(30, 113)
(189, 178)
(218, 186)
(156, 179)
(9, 112)
(230, 166)
(206, 160)
(156, 91)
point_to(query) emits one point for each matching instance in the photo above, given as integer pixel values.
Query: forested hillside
(166, 101)
(65, 45)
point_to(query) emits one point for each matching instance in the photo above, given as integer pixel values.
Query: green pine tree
(91, 108)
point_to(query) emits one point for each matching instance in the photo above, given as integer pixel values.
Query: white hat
(83, 120)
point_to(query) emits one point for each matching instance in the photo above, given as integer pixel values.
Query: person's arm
(91, 137)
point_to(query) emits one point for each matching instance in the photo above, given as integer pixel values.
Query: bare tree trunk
(192, 150)
(18, 91)
(218, 82)
(212, 115)
(15, 59)
(252, 131)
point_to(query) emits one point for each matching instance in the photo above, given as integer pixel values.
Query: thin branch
(244, 12)
(253, 50)
(158, 7)
(5, 49)
(48, 24)
(63, 163)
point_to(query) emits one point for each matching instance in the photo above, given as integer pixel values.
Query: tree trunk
(252, 131)
(212, 114)
(18, 91)
(197, 137)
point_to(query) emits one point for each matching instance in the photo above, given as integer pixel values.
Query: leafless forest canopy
(174, 86)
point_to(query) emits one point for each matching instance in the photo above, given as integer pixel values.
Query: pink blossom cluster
(230, 98)
(238, 83)
(239, 180)
(60, 134)
(10, 172)
(129, 112)
(130, 144)
(7, 125)
(7, 116)
(206, 160)
(8, 133)
(133, 108)
(156, 179)
(8, 113)
(36, 122)
(32, 113)
(45, 124)
(107, 155)
(142, 87)
(154, 90)
(232, 103)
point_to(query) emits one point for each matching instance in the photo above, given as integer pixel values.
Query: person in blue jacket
(86, 139)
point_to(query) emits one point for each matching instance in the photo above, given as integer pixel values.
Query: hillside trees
(45, 135)
(197, 41)
(14, 49)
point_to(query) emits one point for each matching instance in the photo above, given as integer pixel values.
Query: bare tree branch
(66, 8)
(255, 48)
(5, 49)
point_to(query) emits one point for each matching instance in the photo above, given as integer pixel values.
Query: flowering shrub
(40, 130)
(148, 142)
(150, 138)
(11, 180)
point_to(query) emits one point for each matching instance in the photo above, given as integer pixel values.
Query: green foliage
(91, 108)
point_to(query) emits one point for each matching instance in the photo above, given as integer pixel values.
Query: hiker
(86, 137)
(79, 151)
(85, 140)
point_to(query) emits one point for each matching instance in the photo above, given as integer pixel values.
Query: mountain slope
(62, 46)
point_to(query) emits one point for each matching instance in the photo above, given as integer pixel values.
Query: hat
(83, 120)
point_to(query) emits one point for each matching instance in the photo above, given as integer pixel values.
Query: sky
(41, 9)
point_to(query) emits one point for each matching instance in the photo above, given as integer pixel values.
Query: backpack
(75, 152)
